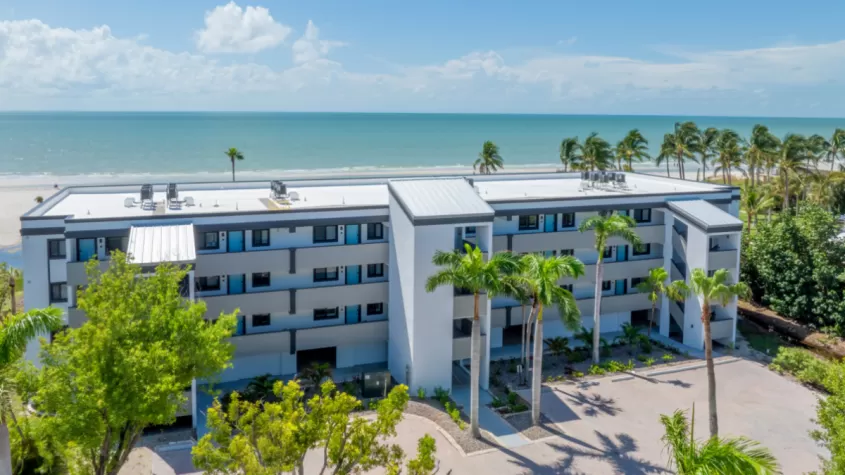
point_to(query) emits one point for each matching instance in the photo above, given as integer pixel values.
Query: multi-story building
(334, 270)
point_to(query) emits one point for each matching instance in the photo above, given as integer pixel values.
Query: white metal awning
(157, 244)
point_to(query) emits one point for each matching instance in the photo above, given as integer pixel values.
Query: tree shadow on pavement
(592, 404)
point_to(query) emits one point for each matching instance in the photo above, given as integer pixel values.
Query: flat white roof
(706, 216)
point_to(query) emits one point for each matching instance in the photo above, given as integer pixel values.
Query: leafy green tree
(681, 145)
(470, 272)
(830, 416)
(723, 456)
(234, 155)
(540, 275)
(606, 227)
(633, 147)
(488, 160)
(570, 153)
(710, 290)
(708, 140)
(596, 153)
(128, 366)
(656, 286)
(16, 330)
(262, 438)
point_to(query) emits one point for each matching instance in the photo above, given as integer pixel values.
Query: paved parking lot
(613, 427)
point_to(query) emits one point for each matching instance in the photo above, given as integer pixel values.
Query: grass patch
(762, 340)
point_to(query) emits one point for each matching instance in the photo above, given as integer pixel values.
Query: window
(642, 250)
(469, 231)
(325, 313)
(58, 292)
(568, 220)
(375, 231)
(567, 252)
(325, 234)
(210, 240)
(375, 308)
(261, 238)
(635, 281)
(57, 248)
(208, 283)
(261, 279)
(529, 222)
(116, 244)
(375, 270)
(325, 274)
(608, 252)
(262, 320)
(606, 285)
(568, 287)
(642, 215)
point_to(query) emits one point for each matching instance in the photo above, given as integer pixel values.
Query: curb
(677, 369)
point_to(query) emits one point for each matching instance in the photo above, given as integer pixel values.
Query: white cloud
(568, 42)
(310, 47)
(232, 29)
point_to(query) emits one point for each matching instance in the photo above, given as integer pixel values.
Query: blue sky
(748, 57)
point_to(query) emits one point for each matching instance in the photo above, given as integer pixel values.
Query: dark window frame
(642, 212)
(326, 313)
(372, 307)
(567, 252)
(608, 252)
(635, 281)
(641, 250)
(567, 223)
(375, 231)
(123, 244)
(372, 267)
(258, 236)
(204, 243)
(260, 275)
(318, 230)
(528, 226)
(60, 244)
(569, 287)
(203, 285)
(324, 274)
(609, 285)
(261, 320)
(470, 231)
(59, 286)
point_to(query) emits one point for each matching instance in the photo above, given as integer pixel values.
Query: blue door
(550, 223)
(236, 241)
(353, 314)
(237, 284)
(353, 275)
(241, 330)
(87, 248)
(353, 233)
(621, 253)
(621, 287)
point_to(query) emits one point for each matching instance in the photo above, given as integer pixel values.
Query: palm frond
(17, 330)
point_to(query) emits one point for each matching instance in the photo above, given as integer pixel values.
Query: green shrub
(441, 395)
(513, 397)
(642, 358)
(630, 365)
(578, 356)
(648, 362)
(577, 374)
(512, 366)
(497, 403)
(519, 408)
(421, 392)
(646, 346)
(805, 366)
(455, 414)
(596, 370)
(667, 357)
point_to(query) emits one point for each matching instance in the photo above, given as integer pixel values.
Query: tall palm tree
(729, 456)
(822, 187)
(760, 148)
(16, 331)
(656, 286)
(488, 160)
(469, 271)
(708, 139)
(632, 147)
(792, 153)
(835, 147)
(682, 144)
(730, 152)
(540, 276)
(234, 154)
(754, 201)
(710, 290)
(570, 153)
(606, 227)
(596, 153)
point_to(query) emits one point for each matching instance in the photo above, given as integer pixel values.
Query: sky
(724, 58)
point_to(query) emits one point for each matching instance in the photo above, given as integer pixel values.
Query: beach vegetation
(489, 160)
(656, 285)
(596, 153)
(234, 155)
(632, 148)
(570, 153)
(680, 146)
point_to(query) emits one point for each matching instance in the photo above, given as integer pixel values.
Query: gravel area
(432, 411)
(522, 423)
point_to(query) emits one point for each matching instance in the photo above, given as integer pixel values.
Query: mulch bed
(828, 345)
(432, 411)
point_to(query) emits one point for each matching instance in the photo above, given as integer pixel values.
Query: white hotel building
(336, 271)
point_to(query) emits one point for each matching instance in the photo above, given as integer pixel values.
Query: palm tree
(596, 153)
(632, 147)
(707, 139)
(760, 148)
(715, 289)
(606, 227)
(570, 153)
(754, 201)
(681, 145)
(730, 456)
(835, 147)
(469, 271)
(630, 336)
(730, 151)
(540, 275)
(488, 160)
(823, 187)
(15, 332)
(234, 154)
(792, 152)
(558, 346)
(655, 286)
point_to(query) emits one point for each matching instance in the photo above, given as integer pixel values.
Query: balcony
(259, 343)
(340, 295)
(723, 259)
(679, 243)
(346, 255)
(679, 270)
(572, 239)
(249, 303)
(721, 327)
(618, 270)
(225, 263)
(339, 335)
(465, 304)
(76, 273)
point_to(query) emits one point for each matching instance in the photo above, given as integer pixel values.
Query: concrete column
(665, 317)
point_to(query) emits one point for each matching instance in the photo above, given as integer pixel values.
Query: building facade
(334, 270)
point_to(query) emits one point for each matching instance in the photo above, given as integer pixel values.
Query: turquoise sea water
(177, 143)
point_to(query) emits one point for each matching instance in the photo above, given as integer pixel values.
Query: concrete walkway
(488, 419)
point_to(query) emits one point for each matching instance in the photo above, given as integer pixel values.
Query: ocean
(132, 144)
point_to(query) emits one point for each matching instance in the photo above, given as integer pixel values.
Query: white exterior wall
(401, 295)
(251, 366)
(353, 355)
(696, 257)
